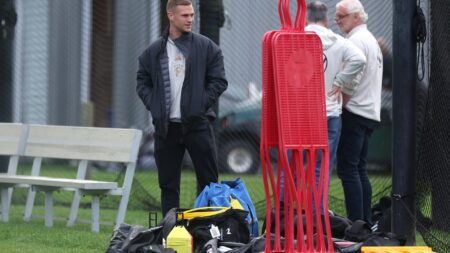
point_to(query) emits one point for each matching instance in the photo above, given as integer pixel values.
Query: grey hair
(316, 12)
(354, 6)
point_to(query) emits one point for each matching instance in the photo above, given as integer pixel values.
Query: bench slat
(59, 182)
(81, 143)
(10, 134)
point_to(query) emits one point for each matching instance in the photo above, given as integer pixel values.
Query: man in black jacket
(180, 77)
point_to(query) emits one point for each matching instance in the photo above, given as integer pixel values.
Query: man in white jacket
(361, 113)
(343, 62)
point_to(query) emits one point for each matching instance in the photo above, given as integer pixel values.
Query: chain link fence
(75, 62)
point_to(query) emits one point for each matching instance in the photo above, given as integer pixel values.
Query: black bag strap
(211, 246)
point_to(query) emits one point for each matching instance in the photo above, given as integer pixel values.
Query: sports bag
(360, 231)
(226, 226)
(136, 239)
(218, 194)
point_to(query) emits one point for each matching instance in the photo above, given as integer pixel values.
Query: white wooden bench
(83, 144)
(12, 140)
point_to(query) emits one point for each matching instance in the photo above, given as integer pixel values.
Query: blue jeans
(351, 165)
(334, 132)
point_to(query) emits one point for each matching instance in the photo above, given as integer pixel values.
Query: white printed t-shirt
(177, 66)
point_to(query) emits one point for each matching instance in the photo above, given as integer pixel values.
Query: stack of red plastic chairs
(294, 126)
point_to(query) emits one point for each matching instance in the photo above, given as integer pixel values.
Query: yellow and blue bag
(224, 193)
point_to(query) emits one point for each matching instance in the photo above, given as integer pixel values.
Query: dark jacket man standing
(180, 76)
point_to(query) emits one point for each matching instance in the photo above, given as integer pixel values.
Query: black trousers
(352, 165)
(169, 153)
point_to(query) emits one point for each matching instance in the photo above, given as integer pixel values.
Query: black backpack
(381, 215)
(136, 239)
(360, 231)
(231, 224)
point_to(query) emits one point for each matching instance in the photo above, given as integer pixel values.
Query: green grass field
(18, 236)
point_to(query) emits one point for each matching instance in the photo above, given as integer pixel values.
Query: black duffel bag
(228, 226)
(136, 239)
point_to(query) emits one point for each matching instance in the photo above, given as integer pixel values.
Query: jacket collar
(183, 43)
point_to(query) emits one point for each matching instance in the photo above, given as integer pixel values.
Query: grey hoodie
(345, 62)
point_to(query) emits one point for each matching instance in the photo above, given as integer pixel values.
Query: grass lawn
(18, 236)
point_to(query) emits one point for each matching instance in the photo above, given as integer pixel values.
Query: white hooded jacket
(344, 64)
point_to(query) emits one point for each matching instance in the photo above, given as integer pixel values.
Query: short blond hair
(172, 4)
(354, 6)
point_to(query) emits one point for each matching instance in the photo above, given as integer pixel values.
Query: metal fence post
(404, 101)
